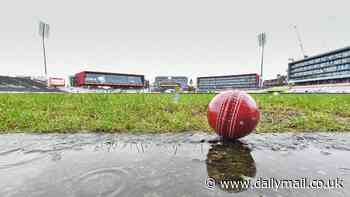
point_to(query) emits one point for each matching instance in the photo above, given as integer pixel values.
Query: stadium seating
(329, 88)
(23, 84)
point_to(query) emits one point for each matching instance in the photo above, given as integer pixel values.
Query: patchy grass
(304, 112)
(158, 113)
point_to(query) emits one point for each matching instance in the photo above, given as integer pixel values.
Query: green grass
(158, 113)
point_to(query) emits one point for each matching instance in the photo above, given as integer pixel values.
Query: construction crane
(300, 42)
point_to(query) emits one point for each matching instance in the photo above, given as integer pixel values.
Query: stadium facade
(326, 68)
(163, 83)
(91, 79)
(24, 84)
(56, 82)
(280, 80)
(217, 83)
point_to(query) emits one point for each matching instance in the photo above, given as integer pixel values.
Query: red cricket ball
(233, 114)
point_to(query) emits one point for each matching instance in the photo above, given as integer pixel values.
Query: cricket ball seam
(233, 127)
(217, 124)
(221, 116)
(235, 103)
(224, 114)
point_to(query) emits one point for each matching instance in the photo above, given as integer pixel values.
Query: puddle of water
(185, 164)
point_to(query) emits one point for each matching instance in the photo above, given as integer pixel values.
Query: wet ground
(187, 164)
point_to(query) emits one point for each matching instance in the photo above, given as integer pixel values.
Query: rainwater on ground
(186, 164)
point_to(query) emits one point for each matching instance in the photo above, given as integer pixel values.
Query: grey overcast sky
(160, 37)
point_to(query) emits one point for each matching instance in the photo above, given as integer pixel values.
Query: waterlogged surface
(188, 164)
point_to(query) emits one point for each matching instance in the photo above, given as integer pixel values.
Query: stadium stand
(23, 84)
(326, 88)
(99, 90)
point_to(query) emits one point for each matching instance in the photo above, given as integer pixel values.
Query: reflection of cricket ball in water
(233, 114)
(230, 161)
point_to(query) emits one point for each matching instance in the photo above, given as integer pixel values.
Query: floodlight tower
(44, 30)
(262, 42)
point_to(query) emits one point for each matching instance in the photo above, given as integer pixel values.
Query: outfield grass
(157, 113)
